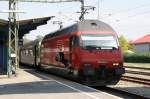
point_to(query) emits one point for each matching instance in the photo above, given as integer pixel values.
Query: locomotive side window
(74, 41)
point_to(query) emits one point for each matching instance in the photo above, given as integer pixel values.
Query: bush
(137, 57)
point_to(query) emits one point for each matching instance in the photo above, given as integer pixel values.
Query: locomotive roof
(96, 25)
(85, 25)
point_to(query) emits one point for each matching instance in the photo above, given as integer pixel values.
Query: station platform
(32, 84)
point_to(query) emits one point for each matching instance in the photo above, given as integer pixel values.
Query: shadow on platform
(37, 87)
(34, 87)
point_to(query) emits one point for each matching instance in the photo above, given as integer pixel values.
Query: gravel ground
(139, 89)
(145, 65)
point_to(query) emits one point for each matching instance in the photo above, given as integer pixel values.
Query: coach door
(70, 49)
(36, 54)
(74, 42)
(1, 55)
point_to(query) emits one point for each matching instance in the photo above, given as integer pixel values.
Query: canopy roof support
(13, 56)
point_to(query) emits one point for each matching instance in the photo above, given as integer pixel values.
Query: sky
(130, 18)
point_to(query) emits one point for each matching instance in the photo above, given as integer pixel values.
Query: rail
(135, 78)
(137, 67)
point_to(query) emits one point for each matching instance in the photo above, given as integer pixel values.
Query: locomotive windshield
(99, 41)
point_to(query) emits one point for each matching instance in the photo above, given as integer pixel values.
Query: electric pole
(82, 10)
(13, 57)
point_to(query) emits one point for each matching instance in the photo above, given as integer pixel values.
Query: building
(24, 27)
(142, 44)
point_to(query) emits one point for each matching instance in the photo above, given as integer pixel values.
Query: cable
(139, 14)
(128, 10)
(68, 17)
(131, 9)
(131, 16)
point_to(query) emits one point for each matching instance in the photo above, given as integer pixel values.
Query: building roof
(142, 40)
(25, 26)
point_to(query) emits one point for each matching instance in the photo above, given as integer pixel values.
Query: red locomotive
(87, 51)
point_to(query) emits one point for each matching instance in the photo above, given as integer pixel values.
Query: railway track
(135, 79)
(138, 72)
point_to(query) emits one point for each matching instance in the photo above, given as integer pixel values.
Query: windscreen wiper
(91, 47)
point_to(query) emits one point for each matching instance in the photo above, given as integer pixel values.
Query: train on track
(87, 51)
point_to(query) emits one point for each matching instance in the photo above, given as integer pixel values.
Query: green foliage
(137, 57)
(124, 43)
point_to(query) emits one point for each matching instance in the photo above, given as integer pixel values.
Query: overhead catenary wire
(132, 9)
(45, 1)
(132, 16)
(68, 17)
(127, 11)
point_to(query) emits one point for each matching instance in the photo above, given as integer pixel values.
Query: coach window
(24, 53)
(27, 52)
(30, 53)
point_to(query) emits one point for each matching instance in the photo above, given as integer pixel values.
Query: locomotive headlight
(115, 64)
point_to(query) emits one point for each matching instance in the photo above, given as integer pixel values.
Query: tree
(124, 43)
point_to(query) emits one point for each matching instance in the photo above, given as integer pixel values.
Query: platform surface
(31, 84)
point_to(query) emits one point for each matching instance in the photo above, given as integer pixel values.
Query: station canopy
(25, 26)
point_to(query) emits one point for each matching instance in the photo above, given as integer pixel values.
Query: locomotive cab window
(99, 41)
